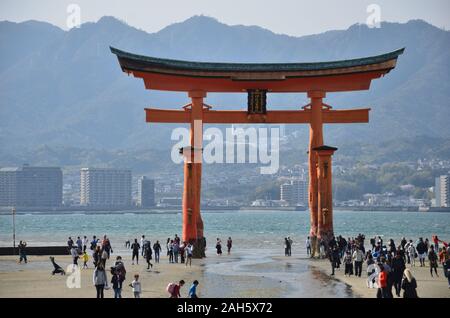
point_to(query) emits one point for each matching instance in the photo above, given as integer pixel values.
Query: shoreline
(241, 274)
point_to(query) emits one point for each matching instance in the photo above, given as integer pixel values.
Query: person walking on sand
(219, 247)
(168, 246)
(422, 251)
(412, 253)
(116, 282)
(106, 245)
(189, 250)
(409, 285)
(176, 250)
(135, 252)
(433, 259)
(358, 258)
(229, 245)
(308, 246)
(348, 262)
(148, 255)
(79, 244)
(85, 243)
(170, 251)
(334, 259)
(142, 245)
(382, 291)
(193, 290)
(75, 256)
(136, 285)
(85, 259)
(447, 270)
(22, 252)
(100, 280)
(398, 268)
(157, 250)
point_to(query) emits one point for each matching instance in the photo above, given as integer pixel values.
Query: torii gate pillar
(325, 194)
(315, 140)
(192, 219)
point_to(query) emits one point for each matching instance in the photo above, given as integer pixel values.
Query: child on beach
(85, 259)
(136, 285)
(193, 290)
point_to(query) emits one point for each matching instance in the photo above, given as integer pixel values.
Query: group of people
(219, 246)
(101, 250)
(179, 251)
(386, 263)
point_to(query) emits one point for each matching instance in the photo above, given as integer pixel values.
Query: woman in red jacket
(382, 283)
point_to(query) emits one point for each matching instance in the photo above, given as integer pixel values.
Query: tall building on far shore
(146, 192)
(295, 192)
(103, 187)
(442, 191)
(31, 186)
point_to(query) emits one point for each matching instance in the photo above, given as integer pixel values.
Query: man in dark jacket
(422, 251)
(398, 266)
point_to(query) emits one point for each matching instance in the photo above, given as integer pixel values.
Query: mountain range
(64, 88)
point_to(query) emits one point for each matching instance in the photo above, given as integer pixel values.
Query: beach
(241, 274)
(256, 267)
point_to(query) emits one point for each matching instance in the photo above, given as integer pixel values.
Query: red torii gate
(316, 79)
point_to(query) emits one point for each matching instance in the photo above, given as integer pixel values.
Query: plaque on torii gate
(256, 79)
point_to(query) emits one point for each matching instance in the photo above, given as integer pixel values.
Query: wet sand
(427, 286)
(247, 273)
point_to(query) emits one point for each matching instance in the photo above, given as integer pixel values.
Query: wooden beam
(271, 117)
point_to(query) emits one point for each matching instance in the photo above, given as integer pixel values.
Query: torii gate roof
(177, 75)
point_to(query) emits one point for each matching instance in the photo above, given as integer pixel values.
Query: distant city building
(442, 191)
(146, 192)
(105, 187)
(31, 186)
(295, 192)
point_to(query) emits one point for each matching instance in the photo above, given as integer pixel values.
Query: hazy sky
(293, 17)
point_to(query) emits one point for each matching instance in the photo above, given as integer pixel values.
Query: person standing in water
(189, 250)
(219, 247)
(229, 245)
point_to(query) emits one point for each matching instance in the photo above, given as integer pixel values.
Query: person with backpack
(174, 289)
